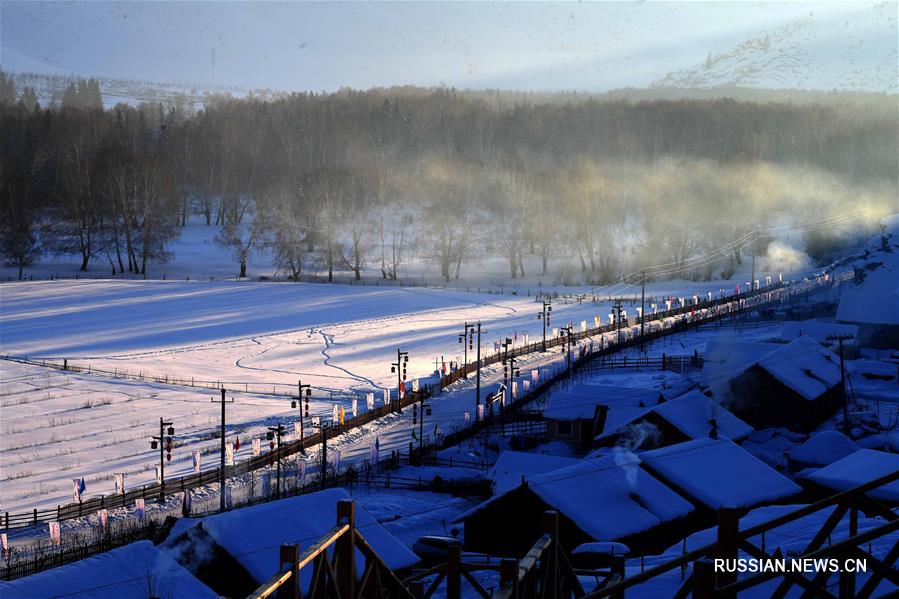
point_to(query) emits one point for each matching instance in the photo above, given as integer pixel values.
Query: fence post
(290, 555)
(453, 572)
(703, 579)
(728, 538)
(508, 575)
(345, 549)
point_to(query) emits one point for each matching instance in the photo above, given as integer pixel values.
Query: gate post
(290, 555)
(453, 572)
(345, 549)
(728, 538)
(703, 579)
(508, 575)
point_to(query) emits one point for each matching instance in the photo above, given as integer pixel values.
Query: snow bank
(718, 473)
(136, 570)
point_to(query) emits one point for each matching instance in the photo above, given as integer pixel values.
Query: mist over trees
(372, 180)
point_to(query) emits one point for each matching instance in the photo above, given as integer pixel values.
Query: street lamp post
(275, 432)
(545, 316)
(164, 443)
(304, 409)
(466, 340)
(399, 367)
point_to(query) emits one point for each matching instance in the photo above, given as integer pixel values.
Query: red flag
(237, 444)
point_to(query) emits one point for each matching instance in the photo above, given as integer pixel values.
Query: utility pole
(399, 367)
(840, 338)
(165, 451)
(642, 307)
(567, 336)
(303, 413)
(323, 431)
(222, 457)
(466, 340)
(275, 432)
(545, 315)
(477, 397)
(419, 415)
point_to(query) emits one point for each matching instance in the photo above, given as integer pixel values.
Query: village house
(636, 509)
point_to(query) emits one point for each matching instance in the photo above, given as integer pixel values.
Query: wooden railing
(334, 575)
(704, 582)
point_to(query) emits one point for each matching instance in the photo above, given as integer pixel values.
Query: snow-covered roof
(123, 572)
(823, 448)
(803, 365)
(876, 299)
(624, 403)
(859, 468)
(691, 414)
(726, 357)
(511, 465)
(252, 535)
(718, 473)
(595, 494)
(817, 330)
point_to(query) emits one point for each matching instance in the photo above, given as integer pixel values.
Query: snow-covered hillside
(856, 51)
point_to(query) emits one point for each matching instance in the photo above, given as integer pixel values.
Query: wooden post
(345, 549)
(290, 557)
(703, 579)
(508, 575)
(551, 577)
(453, 572)
(728, 533)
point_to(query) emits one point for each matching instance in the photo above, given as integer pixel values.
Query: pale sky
(324, 46)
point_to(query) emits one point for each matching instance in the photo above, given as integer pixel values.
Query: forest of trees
(354, 180)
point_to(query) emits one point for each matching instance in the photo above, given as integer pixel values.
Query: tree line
(376, 179)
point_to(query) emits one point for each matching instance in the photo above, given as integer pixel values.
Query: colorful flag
(335, 412)
(55, 533)
(120, 483)
(78, 488)
(257, 447)
(237, 444)
(342, 415)
(355, 407)
(370, 401)
(229, 454)
(197, 461)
